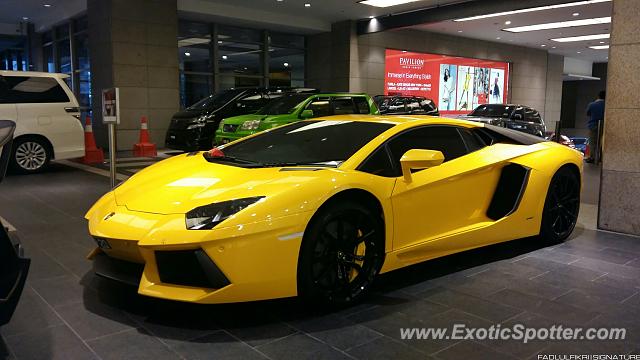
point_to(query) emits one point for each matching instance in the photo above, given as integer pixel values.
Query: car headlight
(208, 216)
(250, 125)
(199, 123)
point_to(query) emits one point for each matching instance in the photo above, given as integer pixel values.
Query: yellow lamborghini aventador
(318, 208)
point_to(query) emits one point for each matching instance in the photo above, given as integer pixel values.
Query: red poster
(456, 84)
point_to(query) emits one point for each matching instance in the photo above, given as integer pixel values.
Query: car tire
(30, 155)
(561, 206)
(341, 254)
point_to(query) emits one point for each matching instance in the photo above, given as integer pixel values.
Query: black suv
(406, 105)
(194, 128)
(517, 117)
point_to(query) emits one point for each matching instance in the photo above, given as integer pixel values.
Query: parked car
(564, 140)
(318, 208)
(517, 117)
(47, 119)
(13, 265)
(291, 108)
(194, 127)
(581, 143)
(406, 105)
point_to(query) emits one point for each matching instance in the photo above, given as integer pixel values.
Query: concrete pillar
(328, 57)
(134, 47)
(620, 185)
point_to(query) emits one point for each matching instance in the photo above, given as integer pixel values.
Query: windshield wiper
(230, 159)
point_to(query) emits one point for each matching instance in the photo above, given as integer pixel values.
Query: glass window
(25, 89)
(64, 57)
(307, 142)
(320, 107)
(216, 100)
(84, 92)
(231, 82)
(442, 138)
(82, 51)
(47, 37)
(81, 24)
(286, 66)
(342, 105)
(62, 31)
(240, 58)
(194, 87)
(362, 104)
(251, 103)
(286, 40)
(379, 163)
(283, 105)
(501, 111)
(47, 54)
(235, 34)
(472, 140)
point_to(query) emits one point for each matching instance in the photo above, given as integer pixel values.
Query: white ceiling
(491, 28)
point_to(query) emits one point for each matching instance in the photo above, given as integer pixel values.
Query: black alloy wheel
(341, 254)
(561, 206)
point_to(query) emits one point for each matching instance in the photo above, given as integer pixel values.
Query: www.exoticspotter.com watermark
(518, 332)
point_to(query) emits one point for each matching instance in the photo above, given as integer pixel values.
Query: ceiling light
(219, 41)
(372, 17)
(601, 42)
(540, 8)
(599, 47)
(187, 54)
(575, 14)
(279, 0)
(224, 57)
(579, 52)
(25, 18)
(561, 24)
(507, 22)
(553, 47)
(582, 38)
(46, 5)
(385, 3)
(498, 38)
(459, 31)
(543, 45)
(286, 64)
(307, 5)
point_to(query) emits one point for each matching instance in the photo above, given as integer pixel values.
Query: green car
(290, 108)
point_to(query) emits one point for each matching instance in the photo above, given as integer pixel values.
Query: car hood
(182, 183)
(238, 120)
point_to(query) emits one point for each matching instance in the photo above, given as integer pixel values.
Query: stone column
(133, 46)
(620, 185)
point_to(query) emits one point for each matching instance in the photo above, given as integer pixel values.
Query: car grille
(189, 268)
(230, 128)
(178, 124)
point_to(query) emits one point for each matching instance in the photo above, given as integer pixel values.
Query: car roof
(32, 74)
(400, 119)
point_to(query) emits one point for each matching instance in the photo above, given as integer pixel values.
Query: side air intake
(508, 193)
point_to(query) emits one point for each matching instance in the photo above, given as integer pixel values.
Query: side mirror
(419, 159)
(306, 114)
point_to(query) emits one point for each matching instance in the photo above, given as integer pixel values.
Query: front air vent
(508, 193)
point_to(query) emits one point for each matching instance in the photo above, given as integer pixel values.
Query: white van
(47, 118)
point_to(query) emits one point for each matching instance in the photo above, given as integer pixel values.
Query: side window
(251, 103)
(446, 139)
(518, 114)
(379, 163)
(343, 105)
(397, 105)
(428, 105)
(413, 105)
(25, 89)
(361, 104)
(320, 107)
(472, 140)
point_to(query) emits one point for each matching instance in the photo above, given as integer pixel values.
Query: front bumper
(257, 260)
(190, 140)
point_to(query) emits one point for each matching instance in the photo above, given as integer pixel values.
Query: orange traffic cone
(92, 154)
(144, 147)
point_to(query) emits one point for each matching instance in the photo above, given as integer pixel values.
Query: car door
(7, 108)
(446, 199)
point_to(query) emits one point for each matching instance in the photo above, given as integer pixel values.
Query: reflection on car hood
(182, 183)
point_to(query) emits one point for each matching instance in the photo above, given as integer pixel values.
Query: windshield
(493, 111)
(305, 143)
(282, 105)
(216, 100)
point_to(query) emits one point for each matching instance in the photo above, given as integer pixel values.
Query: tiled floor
(67, 313)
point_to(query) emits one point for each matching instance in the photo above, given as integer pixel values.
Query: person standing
(595, 114)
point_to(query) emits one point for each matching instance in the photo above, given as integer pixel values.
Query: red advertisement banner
(456, 84)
